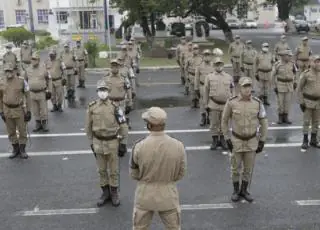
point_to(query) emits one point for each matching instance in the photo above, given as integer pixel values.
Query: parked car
(301, 25)
(250, 24)
(233, 23)
(178, 29)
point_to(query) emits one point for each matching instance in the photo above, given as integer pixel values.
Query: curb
(154, 68)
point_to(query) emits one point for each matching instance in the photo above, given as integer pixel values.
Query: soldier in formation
(202, 71)
(191, 64)
(218, 87)
(235, 50)
(15, 106)
(247, 60)
(25, 55)
(40, 83)
(284, 80)
(107, 132)
(181, 48)
(55, 68)
(280, 46)
(81, 56)
(10, 57)
(70, 70)
(119, 89)
(128, 73)
(264, 64)
(185, 55)
(137, 48)
(308, 93)
(246, 114)
(154, 179)
(302, 55)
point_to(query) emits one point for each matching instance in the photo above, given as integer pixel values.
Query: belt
(101, 138)
(191, 73)
(37, 91)
(244, 138)
(248, 63)
(80, 60)
(117, 98)
(265, 71)
(218, 102)
(56, 79)
(12, 106)
(201, 83)
(236, 56)
(69, 67)
(284, 80)
(303, 59)
(310, 97)
(26, 62)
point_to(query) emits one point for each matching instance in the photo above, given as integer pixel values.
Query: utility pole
(107, 34)
(31, 16)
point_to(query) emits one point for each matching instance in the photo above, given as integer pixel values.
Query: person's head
(124, 48)
(130, 45)
(245, 87)
(283, 38)
(207, 55)
(315, 63)
(190, 46)
(305, 41)
(155, 117)
(183, 40)
(9, 70)
(102, 90)
(249, 44)
(218, 64)
(133, 40)
(35, 59)
(195, 49)
(120, 61)
(25, 44)
(66, 47)
(217, 52)
(286, 55)
(237, 39)
(9, 48)
(53, 54)
(78, 43)
(115, 65)
(265, 47)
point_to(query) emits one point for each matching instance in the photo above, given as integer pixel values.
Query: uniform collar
(242, 99)
(105, 102)
(159, 133)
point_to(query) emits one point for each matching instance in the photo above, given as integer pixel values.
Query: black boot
(59, 108)
(235, 195)
(23, 153)
(280, 119)
(214, 144)
(265, 101)
(38, 126)
(305, 142)
(194, 104)
(15, 151)
(105, 196)
(286, 119)
(183, 81)
(203, 119)
(208, 120)
(44, 124)
(54, 108)
(186, 91)
(80, 84)
(197, 103)
(223, 143)
(70, 94)
(128, 122)
(313, 141)
(115, 196)
(244, 192)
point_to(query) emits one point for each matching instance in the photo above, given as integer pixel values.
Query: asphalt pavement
(57, 187)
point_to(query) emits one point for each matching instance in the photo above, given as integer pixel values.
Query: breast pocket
(236, 115)
(213, 86)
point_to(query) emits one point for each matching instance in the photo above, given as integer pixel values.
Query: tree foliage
(285, 6)
(17, 35)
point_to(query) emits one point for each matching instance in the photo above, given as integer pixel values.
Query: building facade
(312, 10)
(17, 12)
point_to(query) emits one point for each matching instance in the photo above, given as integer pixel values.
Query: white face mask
(103, 95)
(219, 68)
(265, 49)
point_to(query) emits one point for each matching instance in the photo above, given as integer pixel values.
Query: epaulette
(257, 99)
(231, 98)
(306, 71)
(21, 78)
(92, 103)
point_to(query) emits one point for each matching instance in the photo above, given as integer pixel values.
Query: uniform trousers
(311, 116)
(14, 124)
(284, 102)
(39, 105)
(142, 219)
(242, 163)
(201, 100)
(57, 92)
(215, 122)
(81, 71)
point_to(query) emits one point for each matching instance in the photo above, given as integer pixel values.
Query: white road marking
(86, 152)
(206, 206)
(308, 202)
(55, 212)
(139, 132)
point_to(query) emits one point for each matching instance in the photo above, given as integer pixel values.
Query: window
(21, 17)
(2, 25)
(62, 17)
(88, 19)
(43, 16)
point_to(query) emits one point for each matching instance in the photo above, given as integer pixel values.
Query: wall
(312, 12)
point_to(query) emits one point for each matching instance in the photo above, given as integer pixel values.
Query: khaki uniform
(54, 67)
(218, 87)
(133, 54)
(10, 57)
(245, 117)
(137, 48)
(279, 48)
(69, 63)
(179, 54)
(128, 60)
(284, 78)
(129, 75)
(81, 56)
(103, 131)
(303, 54)
(185, 55)
(192, 63)
(156, 189)
(309, 95)
(264, 63)
(26, 54)
(247, 61)
(202, 71)
(14, 103)
(235, 50)
(39, 82)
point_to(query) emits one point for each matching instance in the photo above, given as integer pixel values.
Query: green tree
(93, 50)
(17, 35)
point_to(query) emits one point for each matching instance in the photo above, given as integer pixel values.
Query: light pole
(31, 16)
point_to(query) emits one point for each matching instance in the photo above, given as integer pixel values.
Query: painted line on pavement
(308, 202)
(143, 84)
(188, 148)
(206, 206)
(147, 132)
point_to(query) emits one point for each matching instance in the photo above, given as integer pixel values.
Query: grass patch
(152, 61)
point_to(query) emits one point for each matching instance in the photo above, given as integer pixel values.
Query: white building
(17, 12)
(84, 19)
(312, 10)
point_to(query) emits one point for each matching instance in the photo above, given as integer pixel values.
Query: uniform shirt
(179, 51)
(120, 87)
(283, 76)
(10, 57)
(280, 47)
(192, 63)
(26, 54)
(303, 52)
(246, 118)
(235, 50)
(39, 78)
(264, 61)
(157, 162)
(202, 71)
(248, 57)
(54, 67)
(309, 85)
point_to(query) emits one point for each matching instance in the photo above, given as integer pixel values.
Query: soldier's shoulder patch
(92, 103)
(232, 98)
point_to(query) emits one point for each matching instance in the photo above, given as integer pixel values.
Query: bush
(42, 33)
(168, 43)
(45, 42)
(93, 50)
(17, 35)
